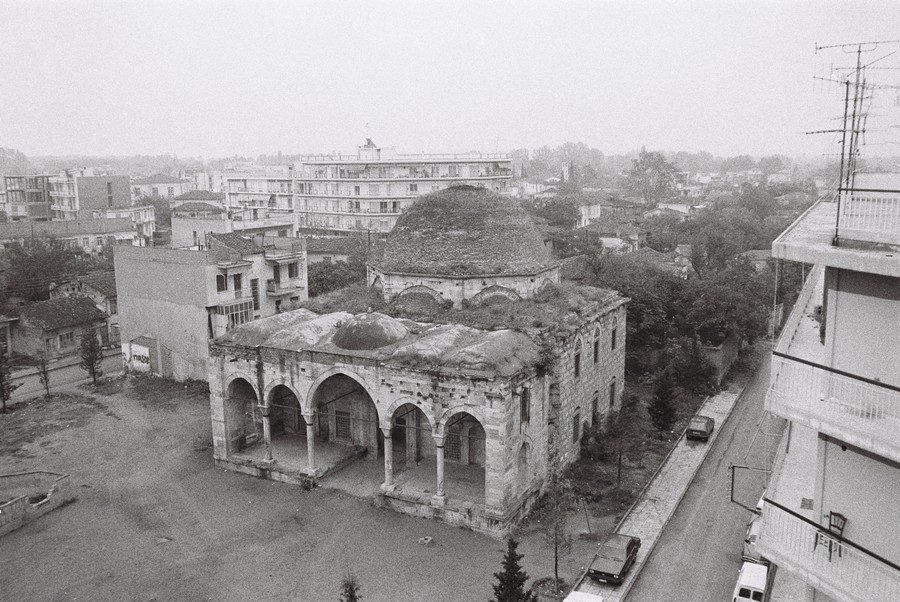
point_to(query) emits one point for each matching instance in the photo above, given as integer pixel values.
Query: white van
(751, 584)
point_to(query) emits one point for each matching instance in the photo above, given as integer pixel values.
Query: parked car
(752, 583)
(749, 552)
(700, 427)
(614, 558)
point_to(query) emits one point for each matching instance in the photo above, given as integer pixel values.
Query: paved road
(64, 375)
(698, 555)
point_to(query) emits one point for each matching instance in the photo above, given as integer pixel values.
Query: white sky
(219, 79)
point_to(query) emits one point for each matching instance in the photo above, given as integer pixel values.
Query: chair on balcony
(836, 524)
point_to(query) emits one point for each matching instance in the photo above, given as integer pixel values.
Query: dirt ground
(156, 520)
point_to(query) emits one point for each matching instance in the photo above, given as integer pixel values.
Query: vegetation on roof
(555, 308)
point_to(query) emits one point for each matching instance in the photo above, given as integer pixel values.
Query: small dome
(369, 331)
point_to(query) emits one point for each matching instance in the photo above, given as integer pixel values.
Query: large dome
(465, 230)
(369, 331)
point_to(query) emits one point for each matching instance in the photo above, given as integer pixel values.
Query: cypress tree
(511, 579)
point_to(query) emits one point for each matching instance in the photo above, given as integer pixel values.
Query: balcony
(857, 410)
(828, 562)
(865, 239)
(279, 252)
(278, 289)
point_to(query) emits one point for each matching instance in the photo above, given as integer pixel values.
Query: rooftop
(344, 245)
(158, 178)
(65, 228)
(810, 240)
(452, 347)
(465, 230)
(234, 241)
(62, 312)
(197, 207)
(103, 282)
(201, 195)
(560, 308)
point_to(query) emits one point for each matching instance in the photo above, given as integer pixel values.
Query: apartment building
(830, 513)
(172, 301)
(80, 193)
(143, 218)
(341, 194)
(27, 197)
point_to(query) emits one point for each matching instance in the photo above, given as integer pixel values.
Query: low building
(462, 418)
(55, 327)
(99, 287)
(173, 301)
(191, 222)
(618, 234)
(143, 218)
(159, 186)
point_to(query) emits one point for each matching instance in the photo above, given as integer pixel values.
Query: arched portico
(345, 413)
(461, 454)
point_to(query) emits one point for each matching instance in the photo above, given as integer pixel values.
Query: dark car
(614, 558)
(700, 427)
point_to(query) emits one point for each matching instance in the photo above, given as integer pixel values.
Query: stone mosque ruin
(452, 384)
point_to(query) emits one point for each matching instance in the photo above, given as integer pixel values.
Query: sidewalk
(66, 371)
(657, 503)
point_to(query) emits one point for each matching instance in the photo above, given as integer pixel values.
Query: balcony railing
(855, 409)
(281, 288)
(870, 215)
(833, 564)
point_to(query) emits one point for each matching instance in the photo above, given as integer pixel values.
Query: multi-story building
(143, 218)
(830, 513)
(79, 193)
(28, 197)
(160, 186)
(340, 194)
(91, 235)
(172, 301)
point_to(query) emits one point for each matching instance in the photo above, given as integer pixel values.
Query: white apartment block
(831, 513)
(341, 194)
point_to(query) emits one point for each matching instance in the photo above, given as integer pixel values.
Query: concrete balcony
(860, 411)
(828, 562)
(866, 239)
(855, 410)
(279, 289)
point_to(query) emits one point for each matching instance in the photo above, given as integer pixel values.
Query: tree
(161, 209)
(44, 373)
(661, 408)
(32, 265)
(91, 353)
(6, 386)
(552, 517)
(622, 433)
(350, 589)
(511, 579)
(771, 164)
(324, 277)
(651, 177)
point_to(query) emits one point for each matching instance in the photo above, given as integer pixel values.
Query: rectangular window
(355, 190)
(525, 405)
(576, 427)
(237, 313)
(577, 364)
(154, 191)
(221, 283)
(413, 188)
(237, 282)
(254, 291)
(109, 188)
(596, 351)
(66, 339)
(170, 192)
(293, 270)
(595, 404)
(99, 241)
(613, 339)
(276, 273)
(612, 394)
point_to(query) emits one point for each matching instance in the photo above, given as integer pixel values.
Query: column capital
(438, 441)
(386, 431)
(308, 417)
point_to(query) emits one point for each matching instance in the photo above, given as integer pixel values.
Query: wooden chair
(836, 524)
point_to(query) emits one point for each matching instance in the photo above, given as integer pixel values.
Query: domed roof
(465, 230)
(369, 331)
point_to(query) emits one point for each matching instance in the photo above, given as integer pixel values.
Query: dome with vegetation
(464, 230)
(369, 331)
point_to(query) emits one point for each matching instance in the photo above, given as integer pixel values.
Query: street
(64, 375)
(698, 555)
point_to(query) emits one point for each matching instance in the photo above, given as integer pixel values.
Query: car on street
(752, 583)
(749, 552)
(700, 427)
(614, 558)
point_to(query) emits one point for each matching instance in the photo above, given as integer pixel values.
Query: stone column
(439, 498)
(388, 484)
(310, 442)
(412, 439)
(267, 431)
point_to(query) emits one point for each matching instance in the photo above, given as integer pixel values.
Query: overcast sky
(219, 79)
